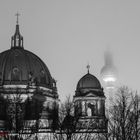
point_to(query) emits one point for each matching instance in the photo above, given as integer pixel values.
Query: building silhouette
(89, 103)
(29, 102)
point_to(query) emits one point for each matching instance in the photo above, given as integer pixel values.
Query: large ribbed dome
(21, 67)
(88, 81)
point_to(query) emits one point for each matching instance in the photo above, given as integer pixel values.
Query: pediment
(91, 95)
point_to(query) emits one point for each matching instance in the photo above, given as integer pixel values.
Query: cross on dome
(88, 67)
(17, 15)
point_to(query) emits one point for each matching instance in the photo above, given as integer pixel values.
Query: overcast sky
(69, 34)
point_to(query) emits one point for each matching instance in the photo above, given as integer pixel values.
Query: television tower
(109, 76)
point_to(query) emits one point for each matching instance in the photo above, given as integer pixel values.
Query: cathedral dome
(89, 85)
(21, 67)
(88, 81)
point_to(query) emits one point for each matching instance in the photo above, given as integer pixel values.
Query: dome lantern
(17, 39)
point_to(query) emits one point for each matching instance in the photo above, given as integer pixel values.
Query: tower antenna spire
(17, 15)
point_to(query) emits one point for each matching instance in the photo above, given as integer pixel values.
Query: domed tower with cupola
(89, 104)
(27, 90)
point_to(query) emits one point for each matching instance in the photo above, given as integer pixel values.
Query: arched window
(15, 76)
(91, 108)
(102, 110)
(78, 108)
(17, 40)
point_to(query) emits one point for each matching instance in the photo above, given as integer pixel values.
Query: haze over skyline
(67, 35)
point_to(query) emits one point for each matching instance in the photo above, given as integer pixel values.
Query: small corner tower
(89, 104)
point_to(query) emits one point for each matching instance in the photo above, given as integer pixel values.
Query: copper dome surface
(89, 85)
(88, 81)
(19, 66)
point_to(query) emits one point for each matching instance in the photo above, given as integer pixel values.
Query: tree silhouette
(124, 116)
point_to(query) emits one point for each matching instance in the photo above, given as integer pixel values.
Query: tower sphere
(109, 71)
